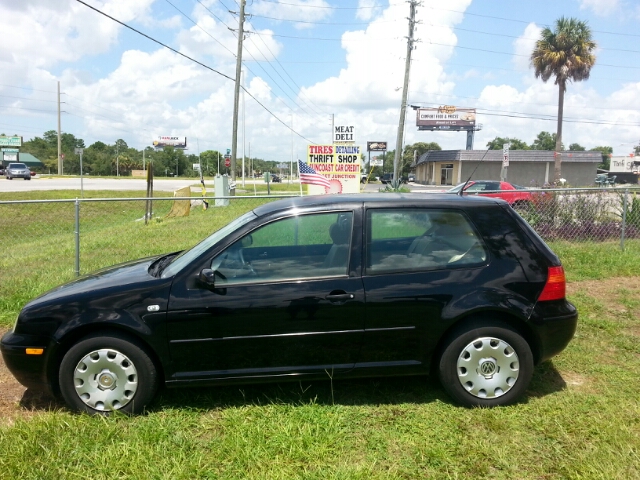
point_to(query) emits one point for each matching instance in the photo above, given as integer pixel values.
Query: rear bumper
(554, 324)
(29, 370)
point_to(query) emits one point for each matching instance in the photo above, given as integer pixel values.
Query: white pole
(291, 162)
(243, 129)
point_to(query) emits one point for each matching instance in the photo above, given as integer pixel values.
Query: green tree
(545, 141)
(413, 152)
(515, 144)
(606, 156)
(565, 53)
(576, 147)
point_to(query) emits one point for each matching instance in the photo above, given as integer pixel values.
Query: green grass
(580, 418)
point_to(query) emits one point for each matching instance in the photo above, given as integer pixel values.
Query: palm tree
(565, 53)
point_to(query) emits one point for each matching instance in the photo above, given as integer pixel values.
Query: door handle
(340, 297)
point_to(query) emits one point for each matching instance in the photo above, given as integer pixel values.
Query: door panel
(285, 301)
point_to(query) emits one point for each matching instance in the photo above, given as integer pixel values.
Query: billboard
(340, 164)
(630, 164)
(446, 117)
(167, 141)
(10, 141)
(376, 146)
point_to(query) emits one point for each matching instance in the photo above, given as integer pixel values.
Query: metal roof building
(526, 167)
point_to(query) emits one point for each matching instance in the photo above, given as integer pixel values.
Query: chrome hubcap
(105, 380)
(488, 367)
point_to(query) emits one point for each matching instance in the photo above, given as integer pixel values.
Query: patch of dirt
(18, 402)
(607, 291)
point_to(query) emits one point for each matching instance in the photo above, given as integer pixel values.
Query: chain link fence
(584, 215)
(65, 238)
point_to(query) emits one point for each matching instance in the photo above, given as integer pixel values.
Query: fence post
(77, 235)
(624, 217)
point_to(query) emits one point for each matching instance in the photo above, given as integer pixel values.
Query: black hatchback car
(355, 285)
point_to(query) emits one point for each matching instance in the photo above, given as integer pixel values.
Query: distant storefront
(526, 167)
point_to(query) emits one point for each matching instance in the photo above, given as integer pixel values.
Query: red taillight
(555, 287)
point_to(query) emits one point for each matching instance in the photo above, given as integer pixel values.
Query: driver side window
(297, 247)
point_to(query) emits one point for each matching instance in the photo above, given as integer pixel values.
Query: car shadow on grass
(347, 392)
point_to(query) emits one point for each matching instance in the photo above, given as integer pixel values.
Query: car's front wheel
(107, 372)
(486, 365)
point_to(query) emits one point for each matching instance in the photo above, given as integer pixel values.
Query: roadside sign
(227, 161)
(505, 155)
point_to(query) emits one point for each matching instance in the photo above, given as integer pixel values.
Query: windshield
(17, 165)
(188, 256)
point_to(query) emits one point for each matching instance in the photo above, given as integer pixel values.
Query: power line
(330, 7)
(155, 41)
(321, 23)
(196, 24)
(195, 61)
(28, 88)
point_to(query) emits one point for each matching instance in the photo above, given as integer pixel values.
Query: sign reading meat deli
(446, 117)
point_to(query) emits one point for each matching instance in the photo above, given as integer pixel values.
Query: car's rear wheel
(486, 365)
(103, 373)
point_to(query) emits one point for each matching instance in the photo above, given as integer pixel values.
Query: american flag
(310, 176)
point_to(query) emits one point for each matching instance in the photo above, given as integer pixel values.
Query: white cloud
(524, 45)
(300, 10)
(600, 7)
(367, 9)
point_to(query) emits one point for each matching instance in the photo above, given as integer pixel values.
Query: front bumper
(29, 370)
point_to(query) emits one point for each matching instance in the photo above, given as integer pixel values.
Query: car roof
(388, 199)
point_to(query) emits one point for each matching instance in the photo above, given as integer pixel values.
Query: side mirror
(207, 277)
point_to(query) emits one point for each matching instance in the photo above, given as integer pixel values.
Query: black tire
(497, 349)
(107, 372)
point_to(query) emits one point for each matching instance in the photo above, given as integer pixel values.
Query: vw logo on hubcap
(487, 367)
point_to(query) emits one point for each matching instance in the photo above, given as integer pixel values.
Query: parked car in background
(33, 173)
(516, 195)
(275, 178)
(411, 177)
(388, 178)
(355, 285)
(17, 170)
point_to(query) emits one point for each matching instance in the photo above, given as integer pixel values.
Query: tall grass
(580, 418)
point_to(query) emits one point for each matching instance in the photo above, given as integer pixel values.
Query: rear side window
(420, 239)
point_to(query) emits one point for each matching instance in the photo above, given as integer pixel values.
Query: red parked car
(516, 195)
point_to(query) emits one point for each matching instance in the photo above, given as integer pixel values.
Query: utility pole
(236, 96)
(244, 138)
(60, 171)
(405, 88)
(333, 118)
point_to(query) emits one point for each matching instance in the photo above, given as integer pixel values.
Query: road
(41, 183)
(46, 182)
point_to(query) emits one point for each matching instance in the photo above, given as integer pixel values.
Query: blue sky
(304, 61)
